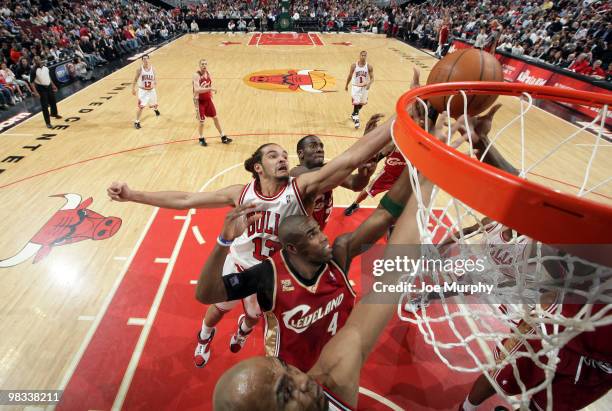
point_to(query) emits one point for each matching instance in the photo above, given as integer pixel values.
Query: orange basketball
(465, 65)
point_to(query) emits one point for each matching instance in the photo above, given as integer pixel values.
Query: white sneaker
(357, 124)
(239, 338)
(415, 304)
(202, 351)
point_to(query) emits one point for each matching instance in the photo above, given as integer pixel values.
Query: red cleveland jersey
(304, 318)
(395, 163)
(205, 81)
(323, 205)
(384, 180)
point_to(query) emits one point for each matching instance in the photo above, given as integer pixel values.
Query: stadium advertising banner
(511, 67)
(559, 80)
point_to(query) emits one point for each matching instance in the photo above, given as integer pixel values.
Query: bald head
(243, 387)
(293, 228)
(267, 384)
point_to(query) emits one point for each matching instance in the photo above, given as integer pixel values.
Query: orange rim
(528, 207)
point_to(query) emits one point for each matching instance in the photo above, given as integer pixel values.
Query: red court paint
(97, 378)
(285, 39)
(316, 40)
(402, 368)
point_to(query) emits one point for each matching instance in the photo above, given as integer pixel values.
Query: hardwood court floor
(52, 309)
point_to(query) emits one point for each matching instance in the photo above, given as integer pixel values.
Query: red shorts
(567, 393)
(578, 380)
(205, 108)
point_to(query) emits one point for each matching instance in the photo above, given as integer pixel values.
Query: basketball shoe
(202, 351)
(226, 140)
(348, 211)
(239, 338)
(202, 141)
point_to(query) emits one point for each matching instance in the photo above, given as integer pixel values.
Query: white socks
(206, 331)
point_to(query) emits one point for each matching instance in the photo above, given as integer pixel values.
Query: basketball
(465, 65)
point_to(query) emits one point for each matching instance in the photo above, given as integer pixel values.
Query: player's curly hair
(249, 163)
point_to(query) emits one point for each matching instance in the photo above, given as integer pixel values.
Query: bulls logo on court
(74, 222)
(292, 80)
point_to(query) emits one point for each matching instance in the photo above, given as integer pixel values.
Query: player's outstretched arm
(350, 245)
(211, 287)
(480, 127)
(336, 171)
(343, 357)
(178, 200)
(359, 180)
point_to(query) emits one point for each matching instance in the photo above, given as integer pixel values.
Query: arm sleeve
(258, 279)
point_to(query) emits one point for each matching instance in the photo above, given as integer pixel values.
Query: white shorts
(147, 98)
(359, 95)
(249, 304)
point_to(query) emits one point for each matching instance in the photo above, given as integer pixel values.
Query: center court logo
(292, 80)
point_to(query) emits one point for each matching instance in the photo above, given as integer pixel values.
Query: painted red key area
(402, 369)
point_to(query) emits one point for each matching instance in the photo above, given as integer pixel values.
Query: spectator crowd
(85, 33)
(571, 34)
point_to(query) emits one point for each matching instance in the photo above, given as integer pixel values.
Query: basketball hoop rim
(528, 207)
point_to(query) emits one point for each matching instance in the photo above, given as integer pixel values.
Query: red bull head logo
(311, 81)
(74, 222)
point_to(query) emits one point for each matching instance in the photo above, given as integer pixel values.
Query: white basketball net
(466, 331)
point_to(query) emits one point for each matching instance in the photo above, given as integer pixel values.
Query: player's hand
(416, 78)
(346, 88)
(237, 220)
(482, 124)
(119, 191)
(373, 122)
(53, 87)
(441, 130)
(479, 127)
(416, 109)
(133, 91)
(367, 169)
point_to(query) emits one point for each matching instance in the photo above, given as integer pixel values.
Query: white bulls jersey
(511, 257)
(510, 254)
(146, 80)
(260, 240)
(361, 75)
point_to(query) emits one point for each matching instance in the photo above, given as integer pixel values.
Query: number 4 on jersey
(333, 324)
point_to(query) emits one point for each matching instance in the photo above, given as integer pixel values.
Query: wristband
(391, 206)
(224, 243)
